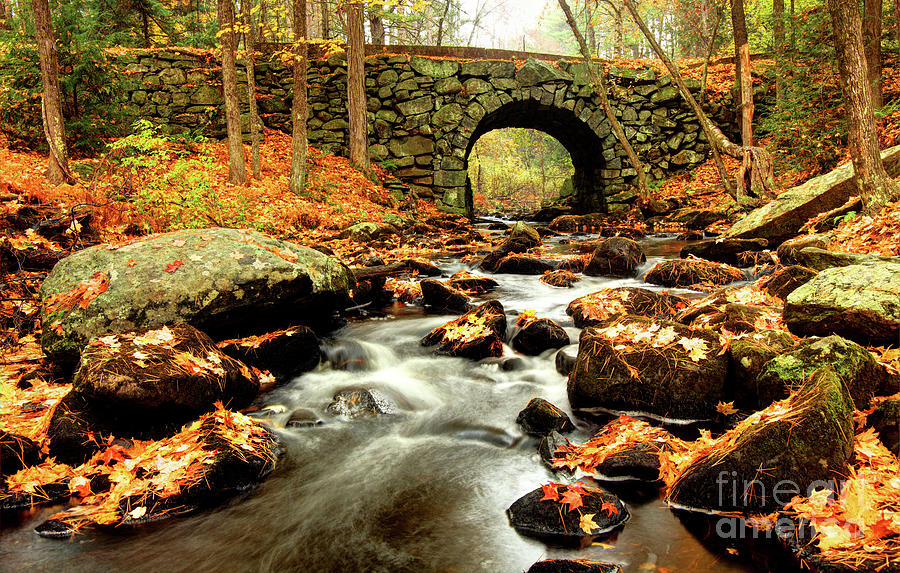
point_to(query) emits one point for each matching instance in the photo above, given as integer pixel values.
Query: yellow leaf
(137, 512)
(587, 522)
(726, 408)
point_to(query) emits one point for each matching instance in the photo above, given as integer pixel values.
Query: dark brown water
(422, 489)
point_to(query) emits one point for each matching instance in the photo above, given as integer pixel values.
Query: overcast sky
(508, 22)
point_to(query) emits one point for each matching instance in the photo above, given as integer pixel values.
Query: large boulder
(748, 355)
(775, 454)
(692, 273)
(567, 512)
(600, 306)
(615, 257)
(218, 280)
(638, 364)
(821, 259)
(786, 280)
(439, 296)
(174, 371)
(477, 334)
(512, 245)
(723, 250)
(859, 302)
(783, 217)
(286, 352)
(523, 265)
(857, 368)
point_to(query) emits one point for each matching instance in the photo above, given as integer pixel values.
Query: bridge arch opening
(583, 144)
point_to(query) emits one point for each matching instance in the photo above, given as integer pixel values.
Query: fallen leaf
(726, 408)
(586, 523)
(173, 266)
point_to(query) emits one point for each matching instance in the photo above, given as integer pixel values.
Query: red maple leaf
(572, 498)
(577, 487)
(550, 492)
(610, 508)
(113, 453)
(173, 266)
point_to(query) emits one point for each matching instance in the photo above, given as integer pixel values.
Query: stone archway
(584, 144)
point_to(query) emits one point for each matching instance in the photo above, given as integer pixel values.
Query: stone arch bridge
(426, 112)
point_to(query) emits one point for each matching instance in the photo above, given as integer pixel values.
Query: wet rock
(886, 421)
(538, 335)
(523, 265)
(821, 259)
(600, 306)
(522, 230)
(615, 257)
(356, 404)
(477, 334)
(540, 417)
(637, 462)
(560, 278)
(474, 284)
(723, 250)
(565, 359)
(550, 519)
(422, 268)
(178, 372)
(787, 251)
(79, 427)
(548, 446)
(859, 302)
(508, 247)
(441, 297)
(690, 273)
(303, 418)
(287, 352)
(786, 280)
(226, 453)
(574, 264)
(573, 566)
(637, 364)
(16, 452)
(782, 218)
(855, 366)
(218, 280)
(747, 357)
(577, 223)
(800, 442)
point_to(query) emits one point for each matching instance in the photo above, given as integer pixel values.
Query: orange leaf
(572, 498)
(610, 508)
(173, 266)
(550, 492)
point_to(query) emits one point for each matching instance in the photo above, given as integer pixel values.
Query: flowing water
(424, 488)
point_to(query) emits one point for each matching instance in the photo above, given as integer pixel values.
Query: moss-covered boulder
(368, 231)
(693, 273)
(638, 364)
(821, 259)
(600, 306)
(788, 250)
(747, 357)
(782, 218)
(615, 257)
(886, 421)
(853, 364)
(859, 302)
(774, 454)
(218, 280)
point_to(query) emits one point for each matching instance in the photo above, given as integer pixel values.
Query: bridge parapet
(426, 113)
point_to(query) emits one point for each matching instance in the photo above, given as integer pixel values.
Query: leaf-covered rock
(692, 273)
(600, 306)
(287, 352)
(567, 513)
(615, 257)
(723, 250)
(477, 334)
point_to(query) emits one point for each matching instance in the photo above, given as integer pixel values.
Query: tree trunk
(714, 135)
(356, 95)
(742, 70)
(299, 112)
(443, 18)
(619, 46)
(4, 16)
(709, 52)
(600, 88)
(54, 128)
(237, 171)
(250, 65)
(326, 20)
(871, 34)
(897, 18)
(876, 188)
(376, 25)
(778, 40)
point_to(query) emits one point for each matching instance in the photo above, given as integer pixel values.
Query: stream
(423, 488)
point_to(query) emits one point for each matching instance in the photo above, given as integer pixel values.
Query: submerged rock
(356, 404)
(658, 367)
(600, 306)
(216, 279)
(599, 512)
(477, 334)
(801, 442)
(540, 418)
(692, 273)
(859, 302)
(615, 257)
(537, 335)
